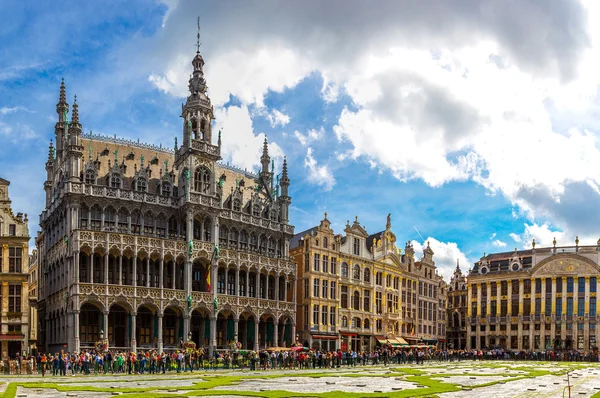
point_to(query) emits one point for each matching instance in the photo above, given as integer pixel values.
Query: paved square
(456, 379)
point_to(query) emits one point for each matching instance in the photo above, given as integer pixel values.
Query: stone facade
(154, 246)
(358, 290)
(538, 299)
(14, 264)
(456, 335)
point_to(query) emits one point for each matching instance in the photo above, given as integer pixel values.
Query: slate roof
(500, 262)
(372, 237)
(296, 239)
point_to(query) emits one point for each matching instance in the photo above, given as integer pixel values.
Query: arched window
(173, 226)
(237, 205)
(115, 180)
(233, 237)
(149, 223)
(141, 184)
(90, 177)
(223, 235)
(203, 125)
(262, 244)
(161, 225)
(325, 243)
(243, 239)
(356, 272)
(166, 188)
(367, 324)
(96, 217)
(367, 277)
(109, 218)
(317, 242)
(202, 180)
(273, 215)
(84, 215)
(344, 270)
(271, 247)
(356, 300)
(256, 210)
(253, 241)
(136, 222)
(123, 221)
(207, 230)
(344, 321)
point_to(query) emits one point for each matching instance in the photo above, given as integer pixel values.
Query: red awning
(349, 334)
(12, 337)
(324, 337)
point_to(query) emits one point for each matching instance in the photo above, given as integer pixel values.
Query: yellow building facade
(535, 300)
(14, 291)
(358, 290)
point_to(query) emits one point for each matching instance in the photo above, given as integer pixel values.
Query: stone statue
(190, 247)
(217, 252)
(388, 225)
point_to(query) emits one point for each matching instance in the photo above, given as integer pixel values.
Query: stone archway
(200, 327)
(117, 326)
(90, 318)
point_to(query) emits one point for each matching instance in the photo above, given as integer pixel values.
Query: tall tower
(74, 149)
(62, 108)
(284, 198)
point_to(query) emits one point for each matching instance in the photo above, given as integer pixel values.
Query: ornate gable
(568, 264)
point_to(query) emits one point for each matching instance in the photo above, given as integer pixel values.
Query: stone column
(247, 283)
(237, 282)
(520, 324)
(285, 282)
(132, 332)
(563, 329)
(106, 268)
(76, 328)
(258, 284)
(160, 332)
(135, 270)
(75, 268)
(186, 325)
(105, 323)
(174, 275)
(161, 272)
(267, 286)
(256, 339)
(294, 290)
(276, 295)
(92, 267)
(148, 271)
(469, 298)
(121, 269)
(213, 335)
(532, 317)
(236, 320)
(293, 331)
(488, 304)
(276, 334)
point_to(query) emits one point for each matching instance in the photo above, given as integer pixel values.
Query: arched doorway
(117, 326)
(200, 327)
(225, 329)
(89, 325)
(172, 327)
(266, 329)
(146, 332)
(285, 332)
(246, 330)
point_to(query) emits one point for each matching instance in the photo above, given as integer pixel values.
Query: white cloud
(318, 175)
(515, 237)
(499, 243)
(242, 147)
(493, 236)
(445, 256)
(277, 118)
(311, 136)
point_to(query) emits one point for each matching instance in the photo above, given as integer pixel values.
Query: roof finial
(198, 37)
(75, 116)
(63, 93)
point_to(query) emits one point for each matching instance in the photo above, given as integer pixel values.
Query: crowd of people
(188, 360)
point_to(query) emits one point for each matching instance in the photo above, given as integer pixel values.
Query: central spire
(198, 38)
(197, 83)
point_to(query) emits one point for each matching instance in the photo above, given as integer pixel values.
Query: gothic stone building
(359, 291)
(456, 335)
(14, 288)
(152, 246)
(534, 300)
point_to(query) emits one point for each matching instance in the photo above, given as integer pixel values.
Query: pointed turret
(265, 159)
(285, 199)
(62, 109)
(75, 126)
(49, 173)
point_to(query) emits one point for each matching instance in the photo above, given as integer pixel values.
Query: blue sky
(475, 126)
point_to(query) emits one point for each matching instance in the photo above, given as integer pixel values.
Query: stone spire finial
(51, 152)
(75, 115)
(63, 93)
(198, 38)
(265, 159)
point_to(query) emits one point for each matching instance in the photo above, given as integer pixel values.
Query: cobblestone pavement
(467, 379)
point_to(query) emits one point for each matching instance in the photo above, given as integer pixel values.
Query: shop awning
(12, 337)
(348, 334)
(398, 341)
(324, 337)
(381, 339)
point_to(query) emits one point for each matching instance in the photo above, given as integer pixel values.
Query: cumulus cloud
(445, 256)
(318, 175)
(277, 118)
(515, 237)
(499, 243)
(311, 135)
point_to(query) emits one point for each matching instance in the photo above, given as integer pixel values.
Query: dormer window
(141, 185)
(90, 177)
(166, 189)
(256, 210)
(356, 248)
(115, 180)
(237, 205)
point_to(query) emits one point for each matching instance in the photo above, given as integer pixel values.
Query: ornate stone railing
(136, 242)
(282, 264)
(256, 221)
